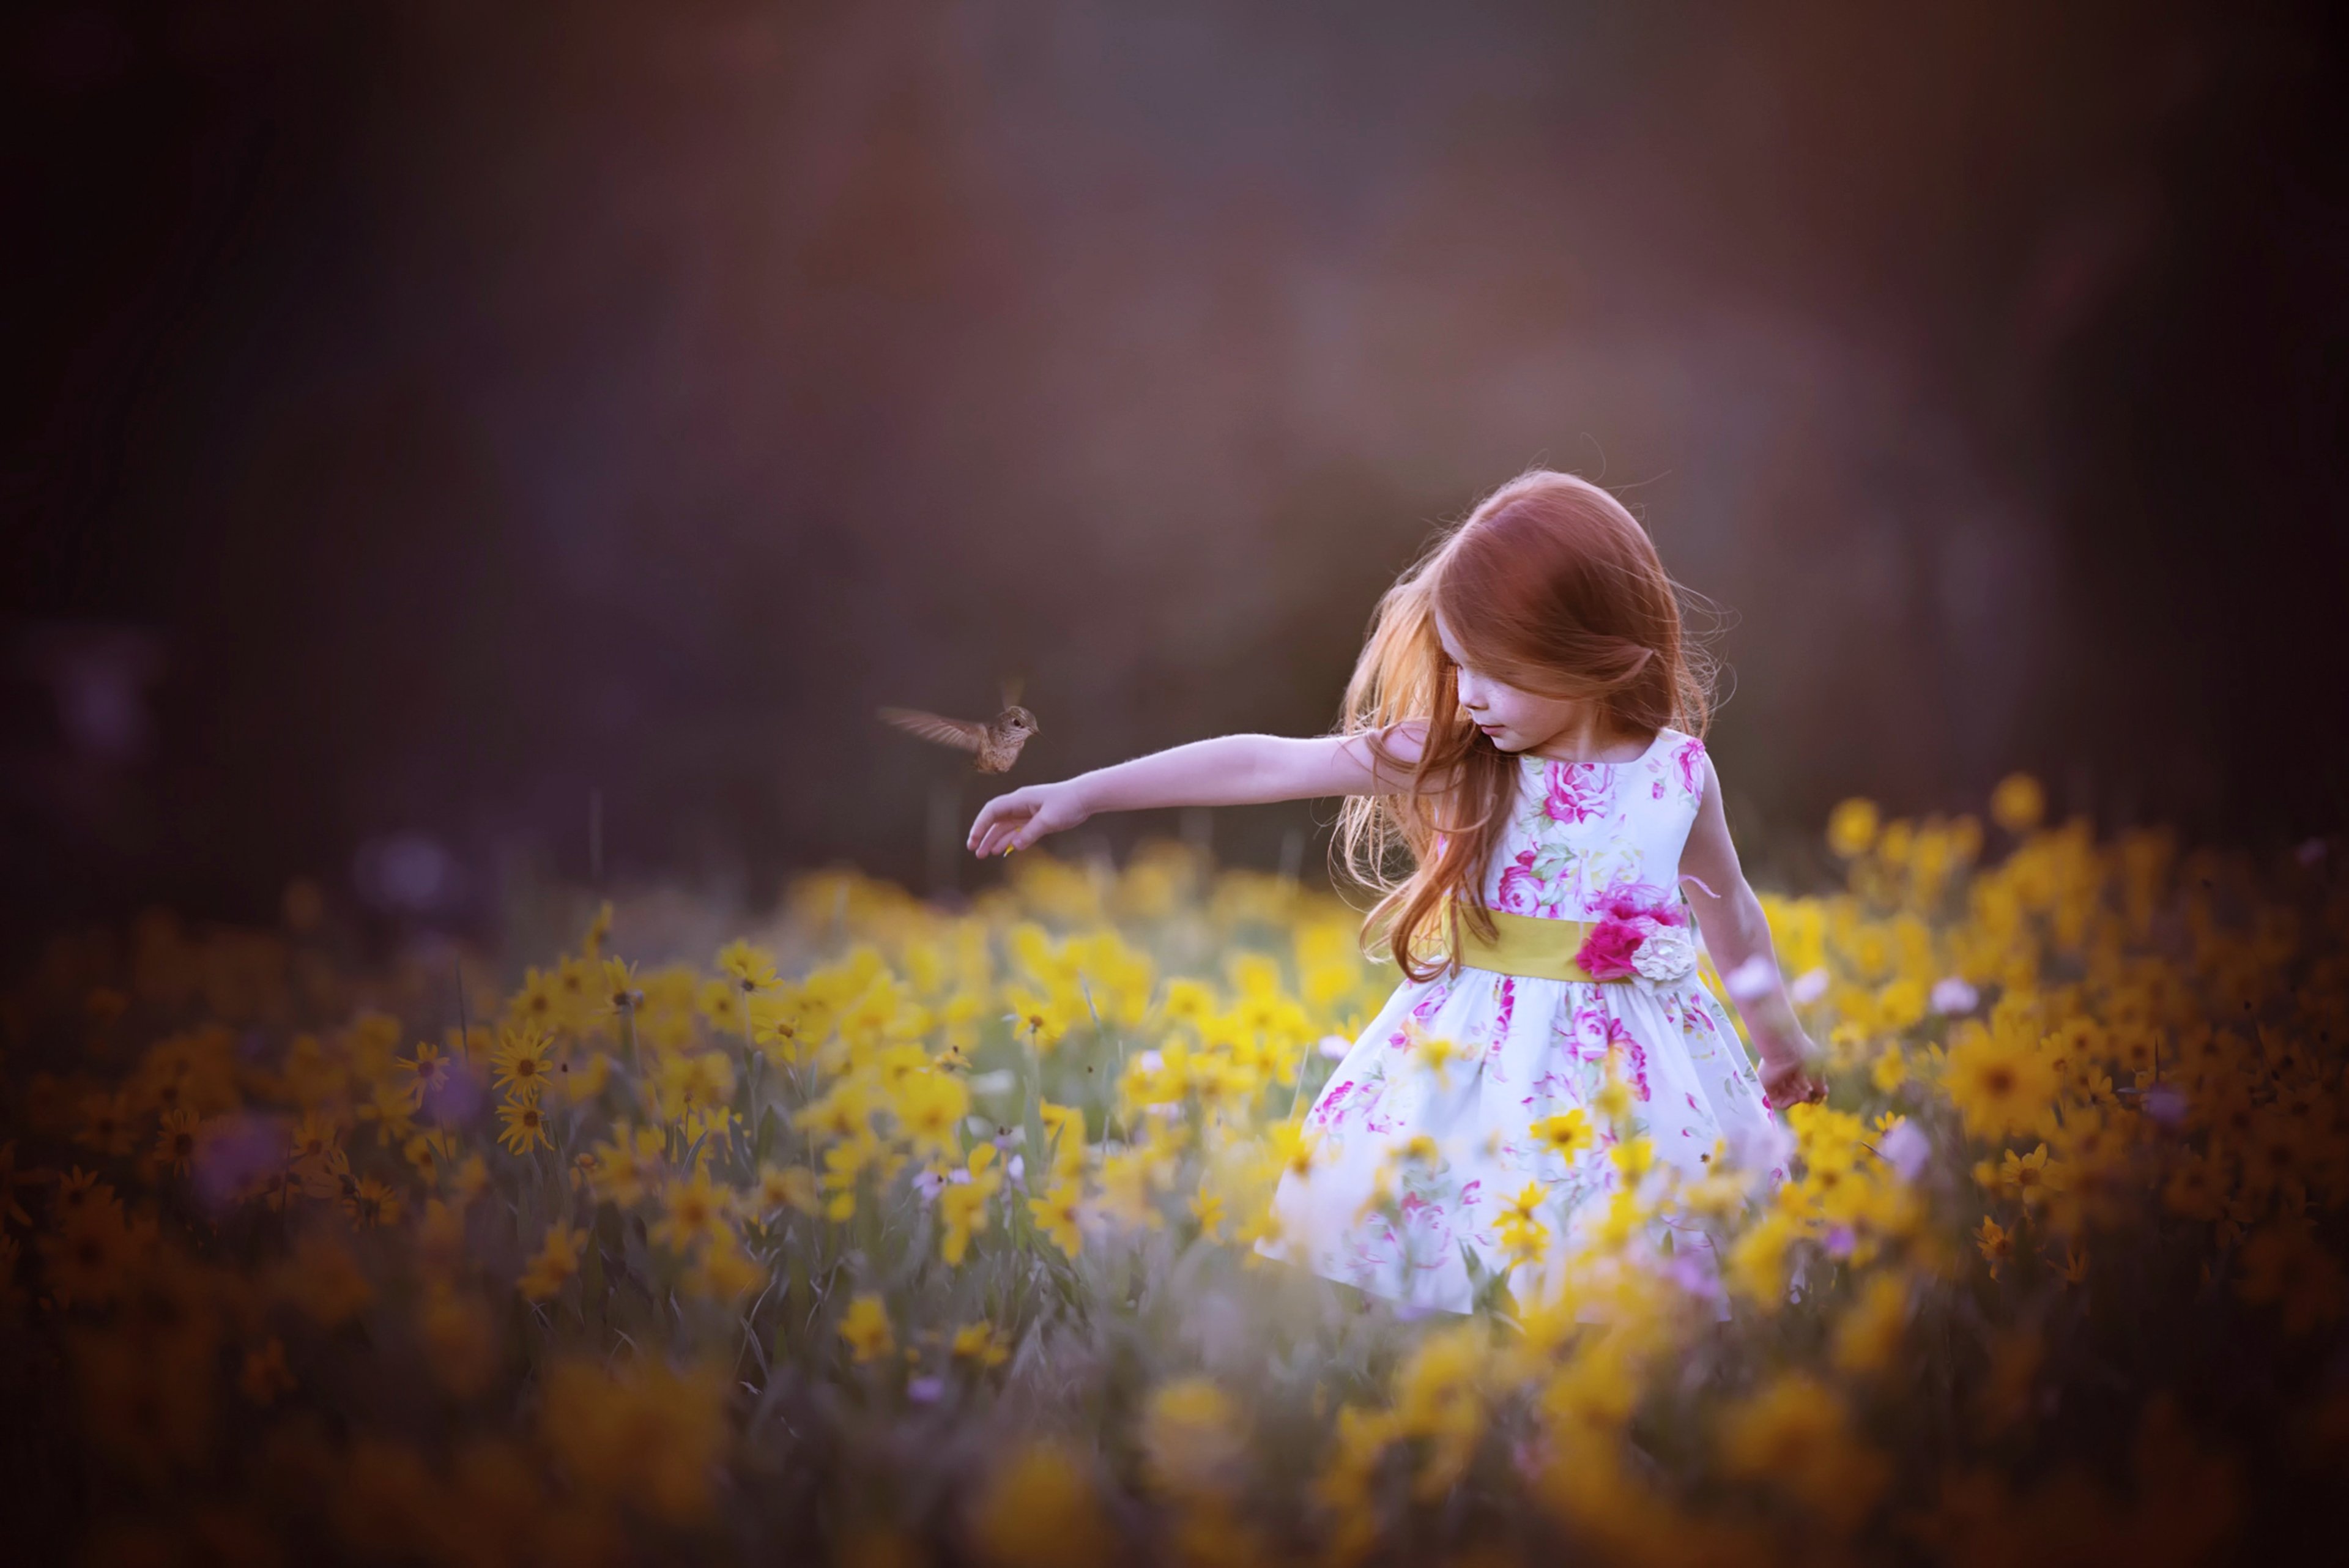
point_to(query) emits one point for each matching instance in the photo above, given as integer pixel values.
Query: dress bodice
(1579, 832)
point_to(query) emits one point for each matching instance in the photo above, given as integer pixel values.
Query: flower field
(892, 1235)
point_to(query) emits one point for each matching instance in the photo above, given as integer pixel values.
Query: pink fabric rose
(1637, 901)
(1606, 952)
(1630, 913)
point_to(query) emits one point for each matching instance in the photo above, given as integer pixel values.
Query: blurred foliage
(896, 1234)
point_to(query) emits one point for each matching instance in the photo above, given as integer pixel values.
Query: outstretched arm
(1736, 933)
(1229, 770)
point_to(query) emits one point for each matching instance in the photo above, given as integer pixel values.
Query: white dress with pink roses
(1583, 839)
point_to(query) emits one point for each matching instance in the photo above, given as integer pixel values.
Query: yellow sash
(1528, 945)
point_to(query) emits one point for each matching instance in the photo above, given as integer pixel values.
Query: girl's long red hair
(1550, 585)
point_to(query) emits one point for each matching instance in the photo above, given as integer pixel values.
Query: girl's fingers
(992, 819)
(1008, 822)
(998, 834)
(1040, 822)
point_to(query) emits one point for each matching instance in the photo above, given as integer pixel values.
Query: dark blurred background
(427, 426)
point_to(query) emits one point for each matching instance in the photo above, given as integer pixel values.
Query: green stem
(629, 1032)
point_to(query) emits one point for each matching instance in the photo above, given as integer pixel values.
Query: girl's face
(1515, 720)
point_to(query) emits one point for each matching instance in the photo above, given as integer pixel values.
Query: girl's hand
(1017, 820)
(1788, 1081)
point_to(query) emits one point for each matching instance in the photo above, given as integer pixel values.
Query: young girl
(1524, 722)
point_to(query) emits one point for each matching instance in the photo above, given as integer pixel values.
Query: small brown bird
(997, 742)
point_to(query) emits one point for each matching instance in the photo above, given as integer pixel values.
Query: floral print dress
(1581, 837)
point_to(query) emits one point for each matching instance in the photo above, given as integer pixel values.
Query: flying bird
(996, 743)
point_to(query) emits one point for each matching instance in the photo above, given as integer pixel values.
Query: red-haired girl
(1523, 726)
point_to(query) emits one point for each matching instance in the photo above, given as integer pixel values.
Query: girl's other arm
(1736, 933)
(1229, 770)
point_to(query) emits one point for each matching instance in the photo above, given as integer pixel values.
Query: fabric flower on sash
(1639, 935)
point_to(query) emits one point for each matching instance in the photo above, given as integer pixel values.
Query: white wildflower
(1953, 996)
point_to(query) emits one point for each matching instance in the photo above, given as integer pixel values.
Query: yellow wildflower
(1996, 1245)
(1193, 1444)
(929, 1107)
(693, 1211)
(1567, 1133)
(1851, 827)
(1867, 1336)
(556, 1261)
(2026, 1179)
(526, 1126)
(750, 968)
(962, 1205)
(519, 1064)
(2018, 802)
(726, 1272)
(315, 1139)
(1042, 1020)
(627, 1164)
(639, 1431)
(785, 1186)
(175, 1142)
(1055, 1213)
(369, 1203)
(1757, 1261)
(1794, 1434)
(1613, 1101)
(1064, 1135)
(537, 1005)
(1889, 1071)
(1037, 1510)
(1634, 1157)
(865, 1327)
(981, 1344)
(1999, 1082)
(1435, 1053)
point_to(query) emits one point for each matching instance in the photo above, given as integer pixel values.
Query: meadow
(892, 1234)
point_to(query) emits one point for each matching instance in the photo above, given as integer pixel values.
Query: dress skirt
(1470, 1061)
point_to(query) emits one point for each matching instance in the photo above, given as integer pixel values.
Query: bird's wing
(955, 733)
(1012, 686)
